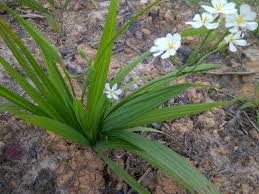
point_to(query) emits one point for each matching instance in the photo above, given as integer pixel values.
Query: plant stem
(175, 61)
(191, 58)
(202, 58)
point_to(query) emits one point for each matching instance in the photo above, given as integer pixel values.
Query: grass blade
(20, 101)
(54, 126)
(175, 112)
(34, 5)
(50, 55)
(138, 106)
(169, 162)
(164, 80)
(99, 76)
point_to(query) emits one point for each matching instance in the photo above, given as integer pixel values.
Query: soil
(222, 143)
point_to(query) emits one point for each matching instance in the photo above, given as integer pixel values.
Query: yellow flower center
(204, 20)
(240, 20)
(232, 39)
(219, 7)
(170, 45)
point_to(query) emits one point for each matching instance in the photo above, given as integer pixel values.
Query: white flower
(235, 39)
(112, 93)
(205, 19)
(243, 21)
(166, 46)
(221, 7)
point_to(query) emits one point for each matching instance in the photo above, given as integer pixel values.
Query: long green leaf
(166, 79)
(99, 76)
(175, 112)
(54, 126)
(169, 162)
(34, 5)
(50, 56)
(123, 174)
(20, 101)
(41, 81)
(20, 58)
(29, 89)
(140, 105)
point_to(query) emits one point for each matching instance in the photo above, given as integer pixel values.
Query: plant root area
(222, 143)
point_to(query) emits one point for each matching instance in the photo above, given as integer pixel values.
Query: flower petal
(197, 18)
(109, 96)
(114, 87)
(169, 37)
(159, 41)
(251, 26)
(107, 86)
(233, 30)
(211, 25)
(177, 39)
(229, 8)
(172, 52)
(114, 96)
(241, 42)
(158, 53)
(209, 9)
(154, 49)
(209, 17)
(238, 35)
(223, 2)
(232, 47)
(195, 25)
(166, 55)
(118, 92)
(244, 9)
(251, 16)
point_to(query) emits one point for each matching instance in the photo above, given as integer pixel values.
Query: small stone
(246, 189)
(139, 35)
(169, 17)
(183, 125)
(1, 145)
(146, 31)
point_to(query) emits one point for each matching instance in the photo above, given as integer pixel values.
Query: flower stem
(192, 58)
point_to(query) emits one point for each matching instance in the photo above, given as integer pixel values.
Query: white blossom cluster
(221, 13)
(237, 22)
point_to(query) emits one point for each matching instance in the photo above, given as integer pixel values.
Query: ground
(222, 143)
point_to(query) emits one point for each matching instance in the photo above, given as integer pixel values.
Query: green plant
(53, 15)
(94, 120)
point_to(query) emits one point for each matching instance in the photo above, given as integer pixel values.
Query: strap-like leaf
(99, 76)
(34, 5)
(169, 162)
(164, 80)
(29, 89)
(54, 126)
(50, 56)
(20, 101)
(40, 80)
(175, 112)
(123, 174)
(140, 105)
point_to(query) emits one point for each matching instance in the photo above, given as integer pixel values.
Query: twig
(141, 178)
(254, 125)
(230, 73)
(32, 15)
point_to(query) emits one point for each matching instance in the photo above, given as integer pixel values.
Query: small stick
(141, 178)
(32, 15)
(254, 125)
